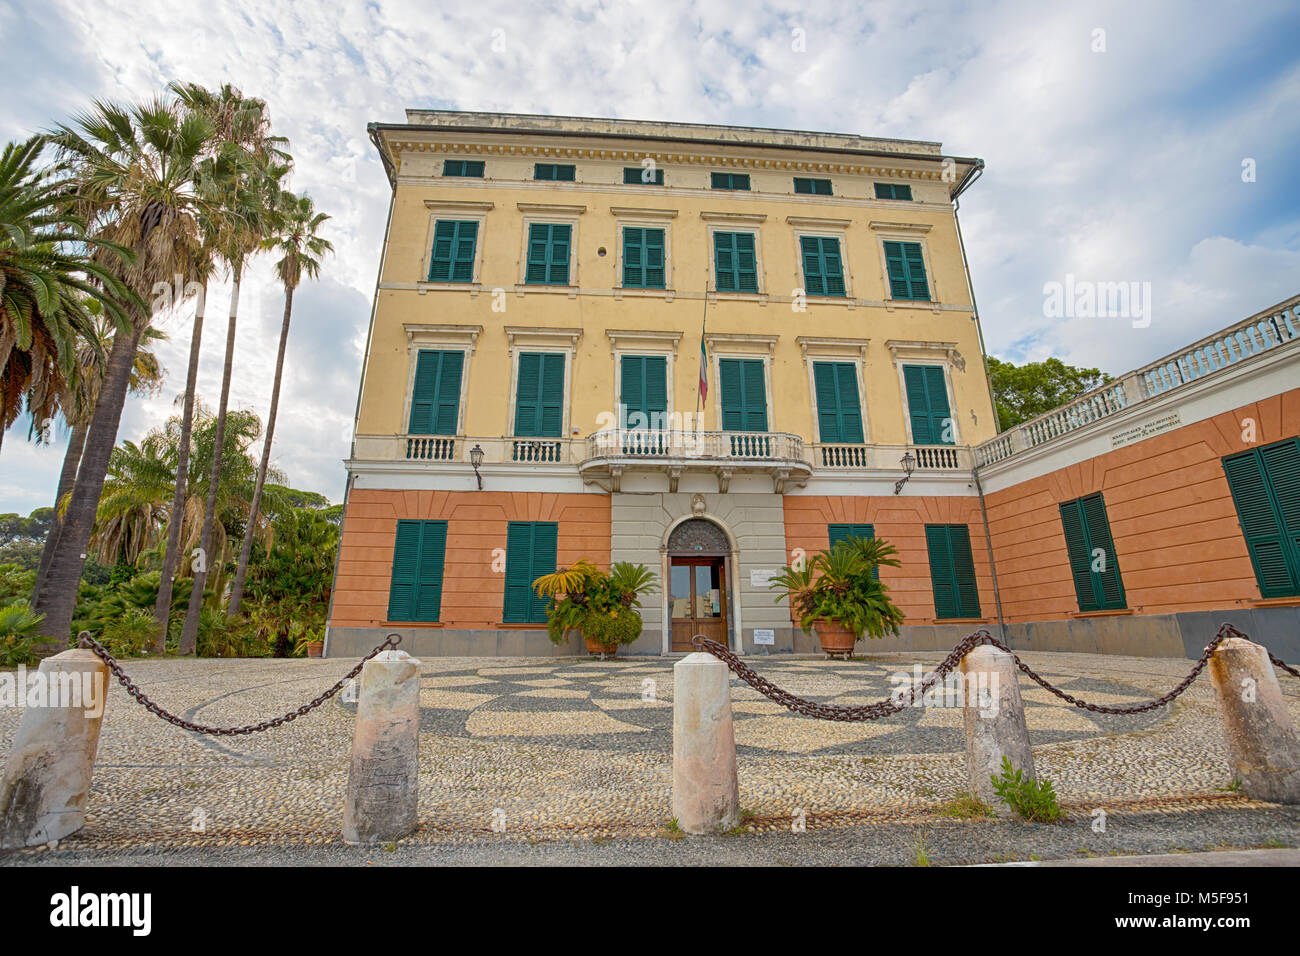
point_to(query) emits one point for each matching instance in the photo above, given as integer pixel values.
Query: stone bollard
(1262, 741)
(994, 717)
(383, 785)
(706, 796)
(46, 780)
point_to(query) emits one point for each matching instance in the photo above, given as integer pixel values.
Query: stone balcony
(609, 454)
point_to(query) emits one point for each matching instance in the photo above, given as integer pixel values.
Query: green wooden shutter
(952, 571)
(1076, 546)
(1265, 485)
(634, 176)
(744, 395)
(905, 265)
(419, 556)
(548, 254)
(839, 413)
(530, 553)
(435, 396)
(643, 258)
(735, 264)
(539, 395)
(643, 391)
(823, 272)
(838, 532)
(732, 395)
(452, 259)
(927, 405)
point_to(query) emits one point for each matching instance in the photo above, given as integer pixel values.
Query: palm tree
(248, 200)
(134, 173)
(77, 403)
(301, 250)
(50, 288)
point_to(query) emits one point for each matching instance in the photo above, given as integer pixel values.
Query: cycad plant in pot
(839, 595)
(603, 605)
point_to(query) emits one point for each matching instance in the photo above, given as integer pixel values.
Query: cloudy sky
(1115, 136)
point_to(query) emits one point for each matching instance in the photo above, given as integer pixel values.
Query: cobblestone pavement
(570, 748)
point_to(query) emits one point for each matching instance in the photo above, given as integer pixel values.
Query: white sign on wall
(764, 636)
(1147, 429)
(761, 578)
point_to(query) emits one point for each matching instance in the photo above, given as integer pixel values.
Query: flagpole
(704, 370)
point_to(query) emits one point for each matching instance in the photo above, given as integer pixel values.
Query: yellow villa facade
(531, 392)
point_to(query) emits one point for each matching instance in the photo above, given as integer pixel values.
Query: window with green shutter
(642, 176)
(470, 168)
(823, 271)
(643, 258)
(838, 532)
(1265, 484)
(558, 172)
(952, 571)
(812, 187)
(735, 265)
(927, 405)
(893, 191)
(435, 395)
(452, 258)
(643, 391)
(906, 267)
(839, 413)
(1093, 562)
(548, 253)
(539, 395)
(729, 180)
(419, 554)
(744, 395)
(530, 553)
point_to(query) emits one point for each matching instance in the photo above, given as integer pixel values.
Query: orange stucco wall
(473, 592)
(1171, 514)
(901, 521)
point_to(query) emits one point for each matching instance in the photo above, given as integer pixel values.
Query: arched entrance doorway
(698, 554)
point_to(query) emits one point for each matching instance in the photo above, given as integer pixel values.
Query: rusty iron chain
(85, 640)
(890, 706)
(1277, 662)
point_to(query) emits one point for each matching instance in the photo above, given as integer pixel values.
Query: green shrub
(15, 583)
(1031, 799)
(18, 634)
(128, 634)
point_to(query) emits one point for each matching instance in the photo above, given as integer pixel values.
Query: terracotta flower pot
(314, 648)
(835, 638)
(594, 647)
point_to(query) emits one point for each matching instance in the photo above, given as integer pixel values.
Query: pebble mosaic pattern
(568, 747)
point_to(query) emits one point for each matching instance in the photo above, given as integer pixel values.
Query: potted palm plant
(838, 595)
(603, 605)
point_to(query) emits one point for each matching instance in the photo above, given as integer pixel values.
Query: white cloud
(1122, 165)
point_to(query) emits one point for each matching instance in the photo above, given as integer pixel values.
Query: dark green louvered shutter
(452, 259)
(905, 264)
(548, 254)
(1265, 484)
(823, 271)
(643, 258)
(435, 397)
(419, 555)
(530, 553)
(735, 264)
(744, 395)
(636, 176)
(927, 405)
(539, 395)
(839, 413)
(952, 571)
(644, 391)
(1087, 531)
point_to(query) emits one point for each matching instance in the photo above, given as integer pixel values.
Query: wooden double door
(697, 599)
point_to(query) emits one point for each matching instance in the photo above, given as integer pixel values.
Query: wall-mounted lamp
(908, 462)
(476, 459)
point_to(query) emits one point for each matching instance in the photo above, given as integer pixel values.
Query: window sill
(519, 627)
(961, 620)
(474, 288)
(413, 624)
(1108, 612)
(1292, 600)
(551, 287)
